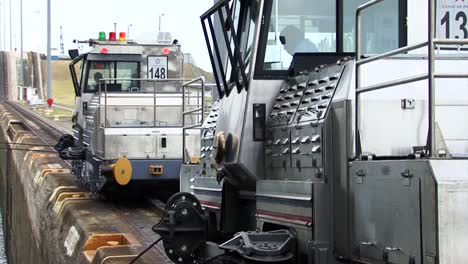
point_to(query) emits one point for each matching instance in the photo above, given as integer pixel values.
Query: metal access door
(385, 214)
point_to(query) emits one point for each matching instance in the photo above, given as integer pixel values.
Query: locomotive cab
(130, 121)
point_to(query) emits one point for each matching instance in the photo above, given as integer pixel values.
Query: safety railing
(199, 111)
(173, 97)
(187, 100)
(430, 76)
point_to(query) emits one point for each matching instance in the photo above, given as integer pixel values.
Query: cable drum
(182, 228)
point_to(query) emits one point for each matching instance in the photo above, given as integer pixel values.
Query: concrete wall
(21, 244)
(49, 219)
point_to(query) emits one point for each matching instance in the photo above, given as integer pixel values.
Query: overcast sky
(83, 19)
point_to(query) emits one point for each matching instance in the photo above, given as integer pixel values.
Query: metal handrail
(184, 113)
(431, 75)
(392, 83)
(450, 41)
(391, 53)
(193, 111)
(154, 92)
(200, 79)
(450, 75)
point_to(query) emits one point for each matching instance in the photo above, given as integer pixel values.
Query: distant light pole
(128, 31)
(11, 30)
(115, 27)
(160, 16)
(21, 43)
(49, 53)
(1, 48)
(4, 25)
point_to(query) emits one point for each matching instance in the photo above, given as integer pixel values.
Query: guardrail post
(198, 109)
(431, 80)
(154, 104)
(357, 46)
(183, 124)
(357, 41)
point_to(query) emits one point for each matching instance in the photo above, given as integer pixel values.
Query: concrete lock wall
(49, 219)
(22, 246)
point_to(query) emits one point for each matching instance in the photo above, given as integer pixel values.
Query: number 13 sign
(157, 67)
(452, 19)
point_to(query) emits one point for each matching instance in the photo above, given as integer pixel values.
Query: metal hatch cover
(386, 215)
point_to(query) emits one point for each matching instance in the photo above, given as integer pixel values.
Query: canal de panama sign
(452, 19)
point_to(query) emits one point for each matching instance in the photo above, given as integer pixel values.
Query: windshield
(311, 26)
(299, 26)
(98, 70)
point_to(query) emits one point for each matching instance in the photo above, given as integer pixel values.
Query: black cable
(144, 251)
(211, 259)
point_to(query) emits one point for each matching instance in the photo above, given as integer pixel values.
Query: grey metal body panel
(386, 211)
(342, 151)
(235, 116)
(440, 186)
(141, 170)
(286, 203)
(251, 152)
(452, 195)
(208, 191)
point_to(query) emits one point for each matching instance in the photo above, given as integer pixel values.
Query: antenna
(62, 49)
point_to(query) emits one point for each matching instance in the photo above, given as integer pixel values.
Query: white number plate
(157, 67)
(451, 21)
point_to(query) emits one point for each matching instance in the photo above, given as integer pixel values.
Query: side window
(379, 26)
(78, 67)
(75, 67)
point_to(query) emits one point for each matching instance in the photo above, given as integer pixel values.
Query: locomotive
(133, 115)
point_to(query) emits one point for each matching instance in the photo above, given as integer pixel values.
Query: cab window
(299, 26)
(121, 75)
(325, 29)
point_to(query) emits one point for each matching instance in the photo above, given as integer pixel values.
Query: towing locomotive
(132, 111)
(316, 153)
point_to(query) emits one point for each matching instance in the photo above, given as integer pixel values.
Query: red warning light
(166, 51)
(50, 101)
(104, 50)
(112, 36)
(122, 36)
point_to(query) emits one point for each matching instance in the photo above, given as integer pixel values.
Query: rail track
(43, 128)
